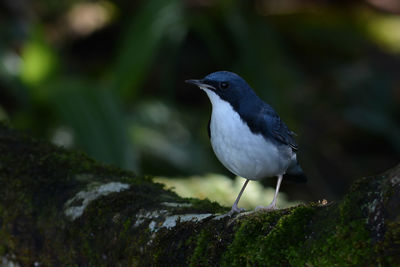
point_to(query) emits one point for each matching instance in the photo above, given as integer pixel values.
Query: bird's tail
(295, 173)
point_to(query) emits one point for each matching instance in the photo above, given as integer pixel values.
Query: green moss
(343, 245)
(340, 233)
(199, 257)
(268, 237)
(390, 248)
(210, 243)
(290, 238)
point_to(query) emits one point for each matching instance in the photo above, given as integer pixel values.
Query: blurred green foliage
(107, 77)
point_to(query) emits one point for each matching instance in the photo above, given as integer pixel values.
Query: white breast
(241, 152)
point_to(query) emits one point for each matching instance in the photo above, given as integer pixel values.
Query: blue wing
(268, 123)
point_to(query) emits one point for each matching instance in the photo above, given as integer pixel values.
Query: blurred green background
(107, 77)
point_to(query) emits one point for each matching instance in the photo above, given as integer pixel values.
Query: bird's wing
(271, 125)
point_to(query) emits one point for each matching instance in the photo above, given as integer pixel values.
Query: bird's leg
(272, 206)
(235, 208)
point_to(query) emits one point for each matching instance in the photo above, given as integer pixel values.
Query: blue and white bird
(247, 135)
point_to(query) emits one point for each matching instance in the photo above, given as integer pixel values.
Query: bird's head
(227, 85)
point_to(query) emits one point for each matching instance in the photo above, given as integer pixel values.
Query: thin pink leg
(235, 208)
(272, 206)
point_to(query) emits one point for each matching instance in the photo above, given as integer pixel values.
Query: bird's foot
(235, 209)
(270, 207)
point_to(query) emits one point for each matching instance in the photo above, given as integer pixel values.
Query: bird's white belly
(239, 150)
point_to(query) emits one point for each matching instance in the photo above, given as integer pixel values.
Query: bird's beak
(201, 83)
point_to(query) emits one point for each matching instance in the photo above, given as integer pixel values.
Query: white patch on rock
(152, 225)
(149, 215)
(373, 205)
(161, 219)
(85, 197)
(219, 217)
(395, 180)
(377, 220)
(170, 221)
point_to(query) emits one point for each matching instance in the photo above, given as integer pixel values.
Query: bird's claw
(235, 209)
(270, 207)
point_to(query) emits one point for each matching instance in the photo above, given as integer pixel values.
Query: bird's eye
(224, 85)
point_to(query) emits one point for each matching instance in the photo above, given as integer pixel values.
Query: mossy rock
(61, 208)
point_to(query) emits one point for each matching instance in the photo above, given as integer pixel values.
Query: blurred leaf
(98, 124)
(155, 20)
(39, 61)
(385, 31)
(3, 114)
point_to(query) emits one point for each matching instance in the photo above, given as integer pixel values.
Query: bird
(247, 135)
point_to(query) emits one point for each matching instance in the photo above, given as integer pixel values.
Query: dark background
(107, 77)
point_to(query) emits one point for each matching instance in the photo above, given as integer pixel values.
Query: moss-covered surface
(146, 225)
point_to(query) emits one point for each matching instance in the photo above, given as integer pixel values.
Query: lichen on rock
(75, 206)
